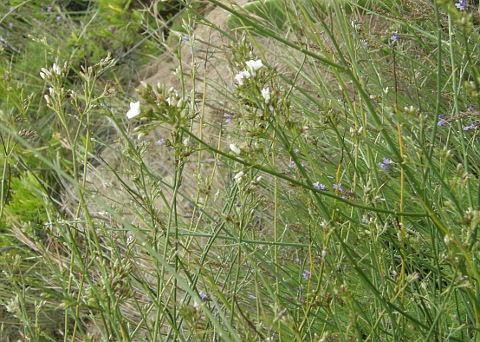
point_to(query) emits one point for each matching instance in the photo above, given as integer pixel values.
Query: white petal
(238, 177)
(234, 149)
(45, 73)
(238, 78)
(241, 75)
(56, 69)
(48, 100)
(266, 94)
(134, 110)
(254, 65)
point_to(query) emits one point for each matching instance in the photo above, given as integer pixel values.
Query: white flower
(45, 74)
(48, 100)
(238, 177)
(253, 66)
(235, 149)
(130, 240)
(56, 69)
(173, 98)
(241, 75)
(266, 94)
(134, 110)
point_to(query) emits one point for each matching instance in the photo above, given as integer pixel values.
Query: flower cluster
(386, 164)
(461, 5)
(469, 127)
(250, 71)
(337, 187)
(253, 66)
(321, 187)
(47, 74)
(442, 121)
(55, 79)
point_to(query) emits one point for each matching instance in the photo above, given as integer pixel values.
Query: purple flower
(319, 186)
(394, 38)
(337, 187)
(204, 297)
(461, 5)
(185, 39)
(306, 275)
(161, 142)
(252, 297)
(227, 117)
(467, 128)
(442, 120)
(386, 165)
(470, 108)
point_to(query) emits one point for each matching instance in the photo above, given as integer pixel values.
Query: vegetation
(314, 175)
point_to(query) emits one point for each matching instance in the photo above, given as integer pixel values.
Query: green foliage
(326, 189)
(270, 11)
(119, 28)
(275, 13)
(27, 201)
